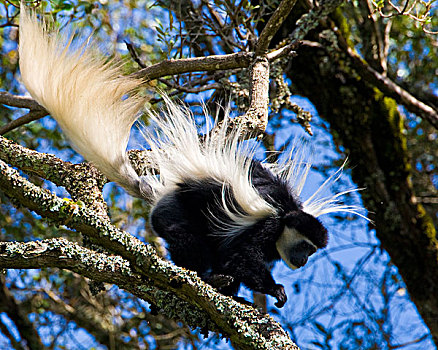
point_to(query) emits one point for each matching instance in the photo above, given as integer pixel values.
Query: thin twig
(35, 110)
(191, 90)
(134, 55)
(274, 23)
(25, 119)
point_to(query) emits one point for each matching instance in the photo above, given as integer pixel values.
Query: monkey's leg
(185, 239)
(248, 266)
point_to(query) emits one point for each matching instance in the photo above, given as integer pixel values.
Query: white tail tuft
(181, 155)
(87, 96)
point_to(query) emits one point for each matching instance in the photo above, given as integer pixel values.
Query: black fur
(188, 217)
(183, 219)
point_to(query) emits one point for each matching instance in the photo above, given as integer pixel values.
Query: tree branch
(19, 101)
(83, 181)
(35, 110)
(255, 120)
(195, 64)
(274, 23)
(389, 88)
(25, 119)
(61, 253)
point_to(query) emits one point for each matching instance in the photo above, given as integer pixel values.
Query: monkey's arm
(249, 267)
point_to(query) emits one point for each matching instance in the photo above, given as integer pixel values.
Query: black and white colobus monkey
(221, 212)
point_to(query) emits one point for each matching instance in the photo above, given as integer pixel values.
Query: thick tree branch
(61, 253)
(82, 181)
(255, 120)
(259, 92)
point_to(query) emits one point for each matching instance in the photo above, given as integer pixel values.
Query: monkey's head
(302, 236)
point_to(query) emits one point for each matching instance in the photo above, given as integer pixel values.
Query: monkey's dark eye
(300, 252)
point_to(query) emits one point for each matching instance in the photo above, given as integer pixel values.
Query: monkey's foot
(219, 281)
(280, 295)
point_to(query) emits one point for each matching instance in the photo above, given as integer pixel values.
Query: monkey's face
(302, 236)
(294, 248)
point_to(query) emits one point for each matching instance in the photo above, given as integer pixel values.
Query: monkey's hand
(280, 295)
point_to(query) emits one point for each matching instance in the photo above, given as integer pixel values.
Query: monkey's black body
(202, 233)
(183, 219)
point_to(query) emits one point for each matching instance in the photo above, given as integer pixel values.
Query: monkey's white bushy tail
(90, 99)
(180, 155)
